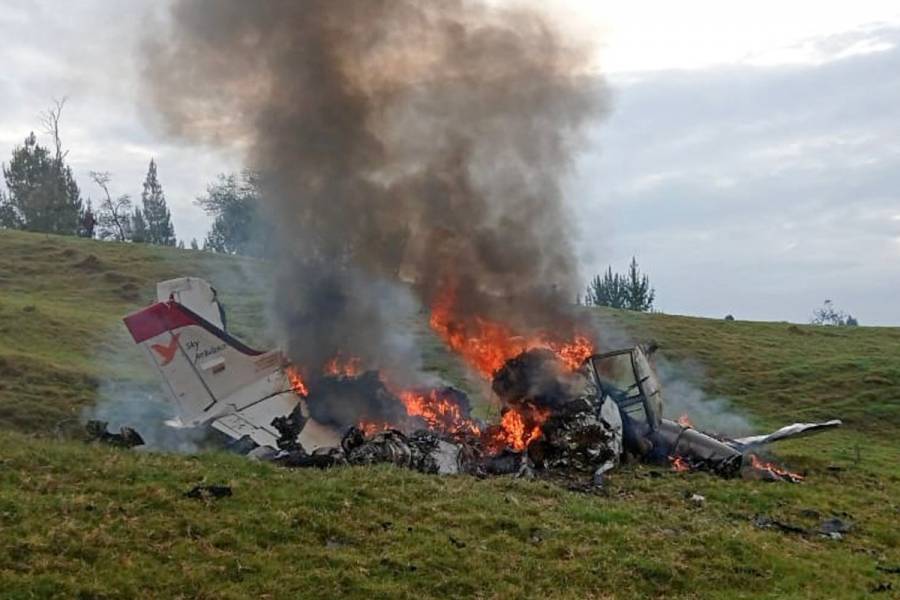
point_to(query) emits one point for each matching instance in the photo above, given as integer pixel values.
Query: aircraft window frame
(630, 401)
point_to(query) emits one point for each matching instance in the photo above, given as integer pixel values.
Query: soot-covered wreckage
(556, 418)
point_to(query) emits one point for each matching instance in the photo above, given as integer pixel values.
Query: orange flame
(763, 466)
(348, 367)
(296, 380)
(370, 428)
(685, 421)
(486, 345)
(518, 428)
(679, 464)
(439, 413)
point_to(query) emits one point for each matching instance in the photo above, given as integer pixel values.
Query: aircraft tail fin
(207, 372)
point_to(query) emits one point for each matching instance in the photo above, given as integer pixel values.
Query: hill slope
(78, 520)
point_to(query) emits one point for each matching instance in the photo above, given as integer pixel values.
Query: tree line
(631, 290)
(43, 196)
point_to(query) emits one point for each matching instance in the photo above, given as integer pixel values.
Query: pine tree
(638, 292)
(156, 213)
(631, 291)
(138, 227)
(43, 194)
(608, 290)
(8, 217)
(194, 244)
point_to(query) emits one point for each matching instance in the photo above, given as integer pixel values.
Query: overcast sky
(751, 160)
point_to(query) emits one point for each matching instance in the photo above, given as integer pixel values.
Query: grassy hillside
(93, 522)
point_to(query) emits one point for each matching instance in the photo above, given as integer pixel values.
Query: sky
(750, 160)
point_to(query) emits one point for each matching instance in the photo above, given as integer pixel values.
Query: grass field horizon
(80, 520)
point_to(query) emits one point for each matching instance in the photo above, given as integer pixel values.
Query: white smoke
(683, 397)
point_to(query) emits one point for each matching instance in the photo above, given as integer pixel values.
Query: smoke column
(397, 140)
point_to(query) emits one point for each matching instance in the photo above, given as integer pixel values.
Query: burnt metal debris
(582, 434)
(208, 492)
(587, 420)
(289, 428)
(126, 438)
(572, 425)
(833, 528)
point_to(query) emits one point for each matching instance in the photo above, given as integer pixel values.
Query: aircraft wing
(256, 419)
(256, 422)
(790, 431)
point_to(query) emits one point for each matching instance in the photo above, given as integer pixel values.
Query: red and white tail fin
(210, 374)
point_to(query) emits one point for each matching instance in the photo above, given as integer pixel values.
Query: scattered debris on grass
(208, 492)
(892, 569)
(126, 438)
(832, 528)
(694, 499)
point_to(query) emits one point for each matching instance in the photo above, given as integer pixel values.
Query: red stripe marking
(157, 319)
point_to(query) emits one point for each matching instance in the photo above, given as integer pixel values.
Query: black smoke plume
(414, 141)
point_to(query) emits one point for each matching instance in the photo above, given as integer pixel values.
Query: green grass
(84, 521)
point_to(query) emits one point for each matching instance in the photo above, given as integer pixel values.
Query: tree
(114, 215)
(194, 244)
(233, 201)
(138, 227)
(43, 194)
(156, 213)
(8, 217)
(606, 290)
(181, 244)
(639, 294)
(631, 291)
(829, 315)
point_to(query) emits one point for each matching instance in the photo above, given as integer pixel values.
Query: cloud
(757, 191)
(86, 52)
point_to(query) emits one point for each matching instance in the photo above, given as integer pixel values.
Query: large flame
(486, 345)
(440, 412)
(518, 428)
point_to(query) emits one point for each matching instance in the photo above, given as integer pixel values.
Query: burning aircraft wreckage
(565, 410)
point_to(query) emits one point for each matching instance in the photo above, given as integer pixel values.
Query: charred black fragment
(507, 462)
(422, 451)
(765, 522)
(289, 428)
(321, 458)
(208, 492)
(126, 438)
(535, 376)
(577, 436)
